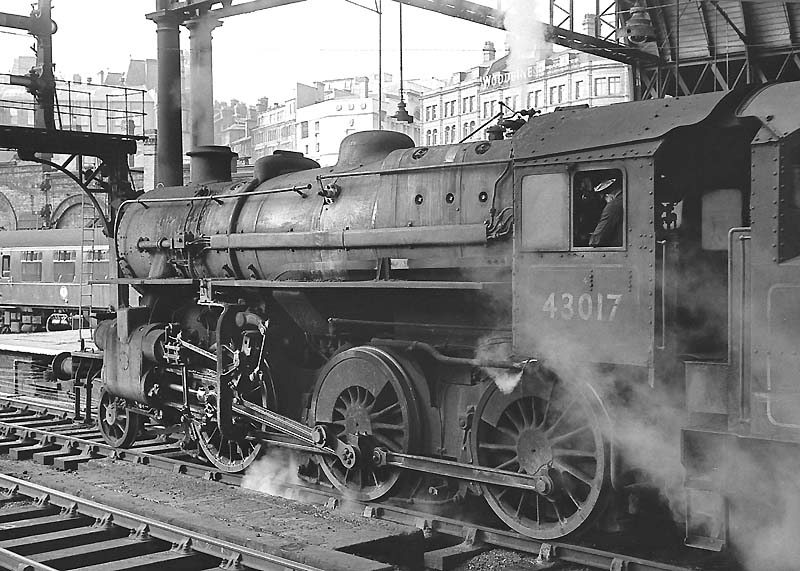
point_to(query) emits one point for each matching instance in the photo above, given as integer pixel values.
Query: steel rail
(227, 552)
(568, 552)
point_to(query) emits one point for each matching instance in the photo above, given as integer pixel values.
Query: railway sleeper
(47, 458)
(27, 452)
(72, 462)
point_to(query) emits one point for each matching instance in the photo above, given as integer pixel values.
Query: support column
(202, 80)
(169, 164)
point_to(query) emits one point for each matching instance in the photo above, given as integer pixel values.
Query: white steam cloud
(272, 473)
(524, 22)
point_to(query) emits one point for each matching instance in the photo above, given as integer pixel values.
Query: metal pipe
(740, 381)
(448, 360)
(335, 323)
(201, 79)
(663, 344)
(169, 149)
(403, 170)
(463, 234)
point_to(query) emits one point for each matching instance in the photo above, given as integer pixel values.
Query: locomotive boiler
(428, 323)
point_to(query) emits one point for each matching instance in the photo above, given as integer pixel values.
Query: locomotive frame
(359, 313)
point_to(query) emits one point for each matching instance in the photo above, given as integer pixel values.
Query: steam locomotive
(431, 323)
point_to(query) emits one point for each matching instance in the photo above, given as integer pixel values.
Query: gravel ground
(300, 531)
(254, 518)
(504, 560)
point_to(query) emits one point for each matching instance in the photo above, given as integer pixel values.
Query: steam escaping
(272, 473)
(505, 380)
(498, 349)
(524, 22)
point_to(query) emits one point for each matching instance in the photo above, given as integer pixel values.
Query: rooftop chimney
(489, 52)
(589, 21)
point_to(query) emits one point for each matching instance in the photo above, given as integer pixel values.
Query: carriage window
(6, 267)
(545, 212)
(99, 259)
(598, 209)
(64, 265)
(31, 266)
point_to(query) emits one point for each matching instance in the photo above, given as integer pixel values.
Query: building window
(316, 147)
(428, 137)
(472, 103)
(6, 266)
(560, 93)
(466, 130)
(600, 86)
(304, 129)
(578, 89)
(465, 105)
(614, 85)
(485, 109)
(553, 92)
(446, 135)
(428, 113)
(435, 136)
(537, 98)
(433, 112)
(316, 126)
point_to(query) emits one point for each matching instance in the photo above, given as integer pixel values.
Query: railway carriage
(430, 323)
(41, 274)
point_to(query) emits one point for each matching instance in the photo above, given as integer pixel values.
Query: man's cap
(605, 185)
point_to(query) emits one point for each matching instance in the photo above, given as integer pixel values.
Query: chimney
(102, 77)
(489, 52)
(212, 163)
(362, 87)
(589, 21)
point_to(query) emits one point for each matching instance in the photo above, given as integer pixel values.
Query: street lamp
(378, 9)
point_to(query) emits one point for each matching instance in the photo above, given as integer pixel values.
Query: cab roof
(620, 124)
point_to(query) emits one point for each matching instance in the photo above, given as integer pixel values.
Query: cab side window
(598, 209)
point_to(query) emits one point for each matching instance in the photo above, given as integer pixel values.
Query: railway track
(50, 436)
(43, 529)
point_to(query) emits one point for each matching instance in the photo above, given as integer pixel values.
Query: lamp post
(378, 9)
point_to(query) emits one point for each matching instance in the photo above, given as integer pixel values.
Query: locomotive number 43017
(600, 307)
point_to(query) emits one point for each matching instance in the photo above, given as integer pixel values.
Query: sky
(267, 52)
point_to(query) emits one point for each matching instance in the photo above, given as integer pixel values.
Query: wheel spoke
(571, 497)
(519, 424)
(386, 441)
(498, 446)
(388, 427)
(561, 452)
(568, 435)
(523, 411)
(550, 430)
(507, 431)
(508, 463)
(389, 409)
(575, 472)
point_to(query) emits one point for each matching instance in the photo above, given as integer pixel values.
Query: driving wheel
(364, 393)
(551, 431)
